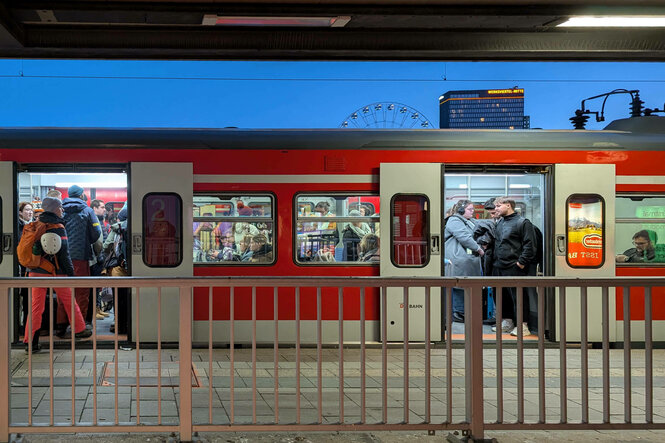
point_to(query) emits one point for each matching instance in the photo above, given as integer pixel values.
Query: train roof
(309, 139)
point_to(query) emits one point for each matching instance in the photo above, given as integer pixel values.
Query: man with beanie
(62, 262)
(83, 230)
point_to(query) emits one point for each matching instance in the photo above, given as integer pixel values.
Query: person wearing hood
(62, 262)
(83, 230)
(462, 250)
(351, 236)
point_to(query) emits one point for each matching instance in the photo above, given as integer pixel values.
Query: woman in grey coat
(462, 250)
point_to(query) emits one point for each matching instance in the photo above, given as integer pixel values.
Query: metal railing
(370, 386)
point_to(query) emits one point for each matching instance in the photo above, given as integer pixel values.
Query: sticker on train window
(233, 229)
(337, 229)
(162, 230)
(585, 232)
(409, 230)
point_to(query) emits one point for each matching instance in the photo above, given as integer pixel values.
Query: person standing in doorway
(25, 215)
(515, 253)
(62, 264)
(83, 231)
(462, 250)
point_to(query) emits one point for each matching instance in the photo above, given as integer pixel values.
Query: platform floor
(129, 409)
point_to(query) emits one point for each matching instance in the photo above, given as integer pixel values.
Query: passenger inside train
(643, 250)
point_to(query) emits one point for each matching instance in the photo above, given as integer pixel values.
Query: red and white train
(301, 201)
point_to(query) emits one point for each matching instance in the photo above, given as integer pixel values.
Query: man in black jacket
(515, 252)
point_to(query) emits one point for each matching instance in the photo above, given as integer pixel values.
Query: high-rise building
(483, 109)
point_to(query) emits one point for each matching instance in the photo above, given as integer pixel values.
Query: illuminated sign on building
(505, 91)
(483, 109)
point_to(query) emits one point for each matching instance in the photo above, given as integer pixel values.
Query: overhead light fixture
(229, 20)
(614, 22)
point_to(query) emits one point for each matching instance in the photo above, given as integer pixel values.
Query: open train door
(584, 242)
(411, 243)
(7, 268)
(161, 215)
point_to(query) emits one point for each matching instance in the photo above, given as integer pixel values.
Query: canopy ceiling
(325, 30)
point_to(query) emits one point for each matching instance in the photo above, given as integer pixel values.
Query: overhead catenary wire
(23, 75)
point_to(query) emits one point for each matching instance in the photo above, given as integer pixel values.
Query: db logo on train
(411, 306)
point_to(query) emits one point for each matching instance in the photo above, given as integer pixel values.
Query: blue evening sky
(77, 93)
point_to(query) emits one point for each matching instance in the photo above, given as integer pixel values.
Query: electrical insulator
(636, 106)
(579, 119)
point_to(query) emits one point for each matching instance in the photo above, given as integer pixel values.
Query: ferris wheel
(386, 115)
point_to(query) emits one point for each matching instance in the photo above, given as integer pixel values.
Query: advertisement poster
(586, 248)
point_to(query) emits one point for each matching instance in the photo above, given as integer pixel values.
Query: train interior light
(614, 22)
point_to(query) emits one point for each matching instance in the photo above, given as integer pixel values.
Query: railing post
(473, 346)
(185, 342)
(4, 364)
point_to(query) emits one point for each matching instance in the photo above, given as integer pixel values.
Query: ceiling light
(614, 22)
(332, 22)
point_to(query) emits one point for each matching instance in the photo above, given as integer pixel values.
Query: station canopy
(334, 29)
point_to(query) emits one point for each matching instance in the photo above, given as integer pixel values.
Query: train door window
(162, 230)
(232, 229)
(337, 229)
(409, 230)
(585, 227)
(640, 230)
(526, 189)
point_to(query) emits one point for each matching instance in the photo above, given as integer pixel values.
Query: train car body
(302, 200)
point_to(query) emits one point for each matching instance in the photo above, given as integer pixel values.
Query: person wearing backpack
(41, 264)
(115, 265)
(83, 231)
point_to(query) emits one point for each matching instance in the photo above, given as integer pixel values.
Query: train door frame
(147, 178)
(419, 179)
(546, 212)
(581, 179)
(50, 168)
(9, 223)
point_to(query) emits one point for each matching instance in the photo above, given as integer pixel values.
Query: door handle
(7, 244)
(435, 244)
(137, 243)
(560, 245)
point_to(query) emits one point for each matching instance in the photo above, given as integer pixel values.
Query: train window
(162, 230)
(640, 230)
(409, 231)
(232, 229)
(337, 229)
(585, 233)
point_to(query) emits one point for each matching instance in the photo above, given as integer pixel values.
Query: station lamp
(614, 22)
